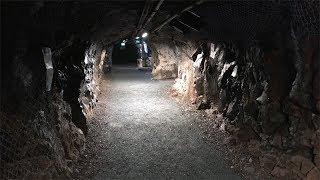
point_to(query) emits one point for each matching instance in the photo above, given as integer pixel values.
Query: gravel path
(138, 132)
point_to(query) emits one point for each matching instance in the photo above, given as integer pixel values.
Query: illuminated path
(137, 131)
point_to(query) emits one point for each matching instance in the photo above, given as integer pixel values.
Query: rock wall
(42, 129)
(41, 144)
(267, 91)
(170, 52)
(165, 65)
(44, 107)
(94, 62)
(38, 137)
(46, 126)
(184, 83)
(41, 124)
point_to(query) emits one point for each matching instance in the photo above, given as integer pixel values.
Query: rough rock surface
(40, 145)
(94, 58)
(171, 52)
(265, 94)
(165, 65)
(37, 135)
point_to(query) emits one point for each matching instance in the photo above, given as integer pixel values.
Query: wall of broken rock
(94, 64)
(38, 137)
(179, 57)
(164, 61)
(170, 51)
(268, 91)
(43, 130)
(261, 85)
(79, 68)
(172, 55)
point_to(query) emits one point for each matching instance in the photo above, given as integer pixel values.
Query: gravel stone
(138, 132)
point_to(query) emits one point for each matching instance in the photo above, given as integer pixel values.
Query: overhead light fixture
(137, 37)
(123, 43)
(145, 34)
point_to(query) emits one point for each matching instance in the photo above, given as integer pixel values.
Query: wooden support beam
(188, 26)
(177, 15)
(151, 16)
(144, 13)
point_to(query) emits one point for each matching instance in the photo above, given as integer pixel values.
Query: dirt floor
(137, 131)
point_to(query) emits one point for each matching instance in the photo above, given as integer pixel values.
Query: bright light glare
(144, 35)
(137, 37)
(123, 44)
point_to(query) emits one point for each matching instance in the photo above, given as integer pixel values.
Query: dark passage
(125, 52)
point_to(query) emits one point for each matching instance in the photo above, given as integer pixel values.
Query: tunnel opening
(249, 70)
(125, 52)
(132, 51)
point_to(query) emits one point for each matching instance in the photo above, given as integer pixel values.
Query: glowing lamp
(145, 34)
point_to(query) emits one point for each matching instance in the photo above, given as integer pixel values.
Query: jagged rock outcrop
(169, 51)
(164, 58)
(94, 59)
(38, 137)
(42, 129)
(172, 56)
(267, 92)
(267, 88)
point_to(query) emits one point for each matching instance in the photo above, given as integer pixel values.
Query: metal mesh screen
(245, 20)
(22, 151)
(305, 17)
(13, 147)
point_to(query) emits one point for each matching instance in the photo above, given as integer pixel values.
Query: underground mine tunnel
(160, 89)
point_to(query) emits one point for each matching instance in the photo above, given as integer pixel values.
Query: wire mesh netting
(17, 144)
(22, 138)
(305, 17)
(245, 20)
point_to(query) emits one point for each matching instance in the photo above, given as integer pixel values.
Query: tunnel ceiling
(247, 19)
(55, 23)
